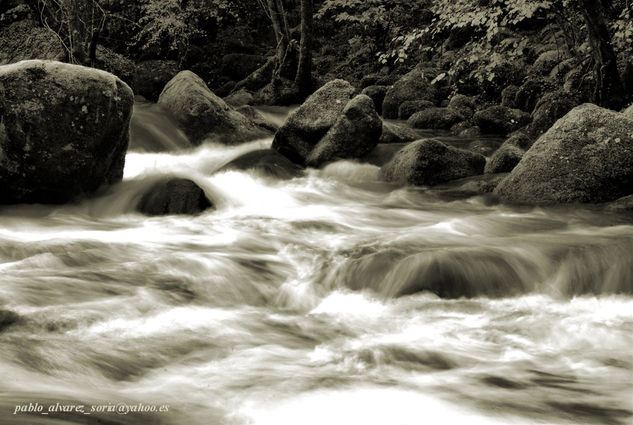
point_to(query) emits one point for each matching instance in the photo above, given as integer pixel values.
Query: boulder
(628, 112)
(8, 318)
(152, 76)
(64, 131)
(173, 196)
(430, 162)
(355, 133)
(25, 40)
(397, 133)
(307, 125)
(377, 94)
(547, 61)
(548, 110)
(435, 118)
(528, 95)
(586, 157)
(464, 105)
(504, 159)
(267, 162)
(413, 86)
(410, 107)
(204, 116)
(501, 120)
(508, 96)
(240, 97)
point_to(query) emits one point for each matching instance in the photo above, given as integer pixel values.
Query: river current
(331, 298)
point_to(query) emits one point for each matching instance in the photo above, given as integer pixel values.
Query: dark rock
(504, 159)
(203, 115)
(240, 98)
(549, 109)
(429, 162)
(8, 318)
(410, 107)
(267, 162)
(259, 120)
(64, 131)
(174, 196)
(355, 133)
(24, 40)
(508, 96)
(238, 66)
(435, 118)
(305, 127)
(501, 120)
(464, 105)
(587, 157)
(152, 76)
(413, 86)
(466, 130)
(397, 133)
(377, 94)
(530, 92)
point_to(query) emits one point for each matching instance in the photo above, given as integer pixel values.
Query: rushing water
(311, 301)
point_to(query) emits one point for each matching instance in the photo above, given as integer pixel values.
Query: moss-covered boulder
(413, 86)
(307, 125)
(64, 131)
(430, 162)
(25, 40)
(410, 107)
(501, 120)
(435, 118)
(355, 133)
(173, 196)
(204, 116)
(550, 108)
(586, 157)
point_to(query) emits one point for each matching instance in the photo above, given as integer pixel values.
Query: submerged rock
(305, 127)
(355, 133)
(430, 162)
(64, 131)
(267, 162)
(174, 196)
(501, 120)
(587, 157)
(203, 115)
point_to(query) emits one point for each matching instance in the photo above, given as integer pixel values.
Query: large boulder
(501, 120)
(64, 131)
(204, 116)
(430, 162)
(24, 40)
(413, 86)
(587, 156)
(355, 133)
(307, 125)
(410, 107)
(398, 133)
(173, 196)
(628, 112)
(267, 162)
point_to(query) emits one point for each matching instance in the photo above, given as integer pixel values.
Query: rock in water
(64, 131)
(312, 120)
(355, 133)
(587, 156)
(174, 196)
(267, 162)
(429, 162)
(203, 115)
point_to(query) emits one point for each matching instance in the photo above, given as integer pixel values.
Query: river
(332, 298)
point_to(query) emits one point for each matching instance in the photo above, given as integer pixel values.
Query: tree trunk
(281, 35)
(303, 78)
(608, 91)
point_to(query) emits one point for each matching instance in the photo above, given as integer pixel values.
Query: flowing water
(327, 299)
